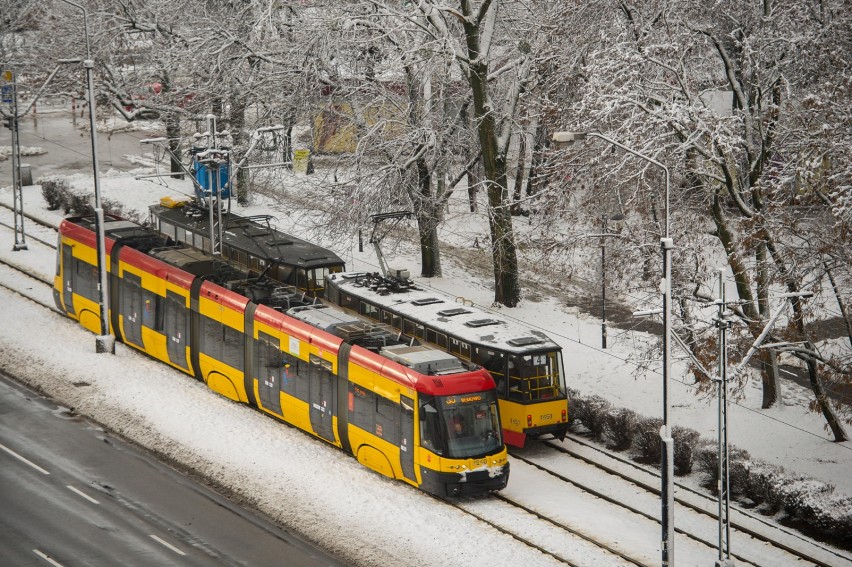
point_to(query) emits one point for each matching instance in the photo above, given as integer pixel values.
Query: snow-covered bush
(55, 190)
(591, 412)
(59, 193)
(707, 461)
(620, 427)
(646, 441)
(685, 443)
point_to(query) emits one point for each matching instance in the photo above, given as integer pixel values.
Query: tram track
(739, 526)
(553, 529)
(741, 529)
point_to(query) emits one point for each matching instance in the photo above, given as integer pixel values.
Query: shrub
(55, 190)
(593, 415)
(620, 427)
(646, 440)
(707, 460)
(685, 442)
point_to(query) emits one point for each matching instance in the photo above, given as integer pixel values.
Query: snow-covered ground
(302, 482)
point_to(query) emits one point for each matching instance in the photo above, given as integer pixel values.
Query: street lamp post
(605, 224)
(103, 342)
(667, 454)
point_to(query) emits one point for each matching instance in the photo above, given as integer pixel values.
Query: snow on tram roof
(465, 321)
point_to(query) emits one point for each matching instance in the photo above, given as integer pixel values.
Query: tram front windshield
(460, 427)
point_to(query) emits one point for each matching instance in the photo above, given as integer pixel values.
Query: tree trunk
(506, 285)
(519, 175)
(173, 133)
(428, 216)
(768, 358)
(844, 314)
(540, 143)
(823, 402)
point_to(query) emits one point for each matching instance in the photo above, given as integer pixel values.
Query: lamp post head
(562, 139)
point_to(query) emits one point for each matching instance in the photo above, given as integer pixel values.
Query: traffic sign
(7, 93)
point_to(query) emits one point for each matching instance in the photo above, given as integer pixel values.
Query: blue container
(201, 175)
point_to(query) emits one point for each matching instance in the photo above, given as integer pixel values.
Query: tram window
(211, 338)
(414, 329)
(464, 350)
(203, 243)
(167, 229)
(392, 319)
(387, 420)
(255, 263)
(348, 301)
(435, 337)
(180, 234)
(85, 280)
(152, 312)
(370, 311)
(430, 430)
(295, 378)
(301, 279)
(233, 348)
(318, 278)
(495, 363)
(362, 407)
(242, 258)
(455, 346)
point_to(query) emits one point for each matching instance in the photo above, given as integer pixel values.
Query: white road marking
(46, 558)
(167, 544)
(84, 495)
(23, 459)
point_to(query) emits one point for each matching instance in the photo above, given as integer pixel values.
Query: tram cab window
(301, 279)
(535, 377)
(431, 437)
(318, 277)
(472, 427)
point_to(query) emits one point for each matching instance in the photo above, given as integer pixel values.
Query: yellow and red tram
(407, 411)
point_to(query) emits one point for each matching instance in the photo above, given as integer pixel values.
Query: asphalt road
(72, 494)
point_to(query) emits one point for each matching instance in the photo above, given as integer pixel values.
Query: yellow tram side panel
(86, 311)
(514, 414)
(293, 410)
(370, 447)
(220, 377)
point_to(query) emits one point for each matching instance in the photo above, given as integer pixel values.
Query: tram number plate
(479, 462)
(546, 416)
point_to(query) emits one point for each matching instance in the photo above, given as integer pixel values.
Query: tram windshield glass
(460, 427)
(535, 377)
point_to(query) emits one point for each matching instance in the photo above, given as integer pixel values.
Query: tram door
(269, 371)
(322, 398)
(67, 275)
(131, 308)
(406, 438)
(175, 324)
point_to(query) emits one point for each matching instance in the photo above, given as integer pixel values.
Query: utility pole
(10, 97)
(723, 323)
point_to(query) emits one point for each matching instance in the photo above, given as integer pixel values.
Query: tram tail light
(529, 420)
(564, 415)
